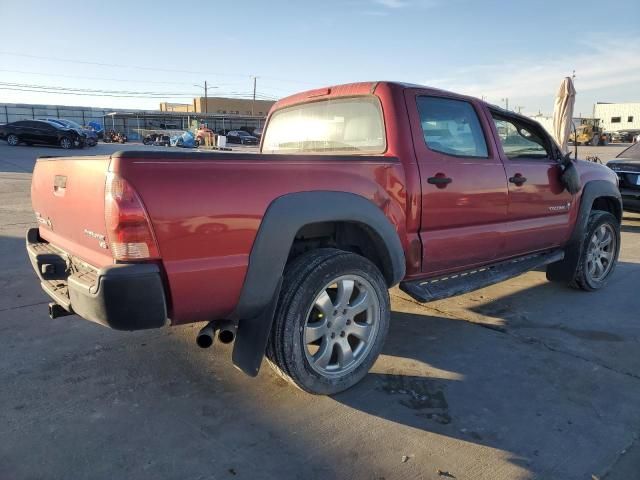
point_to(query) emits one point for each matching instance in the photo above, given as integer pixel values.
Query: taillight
(128, 226)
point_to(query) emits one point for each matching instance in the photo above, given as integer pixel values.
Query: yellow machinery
(588, 133)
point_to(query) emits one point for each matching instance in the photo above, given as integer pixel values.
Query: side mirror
(570, 177)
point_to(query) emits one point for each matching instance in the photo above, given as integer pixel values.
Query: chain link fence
(131, 122)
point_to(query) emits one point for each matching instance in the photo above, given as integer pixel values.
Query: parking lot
(524, 379)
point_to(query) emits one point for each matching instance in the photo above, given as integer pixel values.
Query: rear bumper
(122, 297)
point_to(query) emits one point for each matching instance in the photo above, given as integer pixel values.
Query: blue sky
(496, 49)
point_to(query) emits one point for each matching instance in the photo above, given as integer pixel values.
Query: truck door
(539, 205)
(464, 187)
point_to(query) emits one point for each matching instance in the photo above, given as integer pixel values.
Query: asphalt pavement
(520, 380)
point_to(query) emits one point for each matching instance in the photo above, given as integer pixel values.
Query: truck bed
(205, 209)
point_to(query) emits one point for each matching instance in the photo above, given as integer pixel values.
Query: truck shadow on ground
(523, 381)
(442, 388)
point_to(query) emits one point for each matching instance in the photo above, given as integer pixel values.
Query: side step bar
(428, 290)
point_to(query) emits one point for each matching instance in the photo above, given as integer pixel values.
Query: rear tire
(600, 250)
(13, 140)
(331, 321)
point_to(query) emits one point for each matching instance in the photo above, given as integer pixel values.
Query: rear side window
(452, 127)
(341, 125)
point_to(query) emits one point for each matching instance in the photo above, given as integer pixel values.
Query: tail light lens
(128, 226)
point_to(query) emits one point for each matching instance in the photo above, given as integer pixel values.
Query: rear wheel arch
(286, 220)
(350, 236)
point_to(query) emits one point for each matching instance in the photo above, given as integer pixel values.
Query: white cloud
(603, 65)
(392, 3)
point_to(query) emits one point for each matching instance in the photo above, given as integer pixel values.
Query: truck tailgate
(67, 195)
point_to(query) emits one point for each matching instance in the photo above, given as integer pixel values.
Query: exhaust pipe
(225, 330)
(56, 311)
(206, 336)
(227, 335)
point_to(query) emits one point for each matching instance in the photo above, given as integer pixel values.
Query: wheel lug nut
(328, 324)
(342, 334)
(333, 334)
(335, 312)
(344, 312)
(348, 322)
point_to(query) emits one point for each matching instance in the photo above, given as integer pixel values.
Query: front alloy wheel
(13, 140)
(601, 252)
(66, 143)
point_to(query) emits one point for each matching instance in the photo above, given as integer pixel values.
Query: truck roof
(351, 89)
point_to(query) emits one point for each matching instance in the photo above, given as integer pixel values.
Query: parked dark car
(625, 136)
(241, 137)
(627, 167)
(91, 137)
(40, 132)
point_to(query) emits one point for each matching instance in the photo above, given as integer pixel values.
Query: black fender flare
(284, 217)
(563, 271)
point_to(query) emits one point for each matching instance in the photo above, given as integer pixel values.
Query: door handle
(439, 180)
(518, 179)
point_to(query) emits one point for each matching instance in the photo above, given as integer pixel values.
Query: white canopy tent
(563, 113)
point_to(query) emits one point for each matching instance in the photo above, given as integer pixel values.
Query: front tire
(600, 250)
(66, 143)
(331, 321)
(13, 140)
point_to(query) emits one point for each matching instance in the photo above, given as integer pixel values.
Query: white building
(547, 121)
(615, 117)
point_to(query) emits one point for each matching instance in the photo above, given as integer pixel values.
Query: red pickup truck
(291, 251)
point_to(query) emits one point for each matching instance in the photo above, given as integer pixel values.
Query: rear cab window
(352, 125)
(452, 127)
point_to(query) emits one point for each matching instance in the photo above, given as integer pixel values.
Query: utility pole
(206, 100)
(519, 107)
(253, 103)
(506, 101)
(206, 96)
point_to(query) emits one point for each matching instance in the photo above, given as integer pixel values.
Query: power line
(15, 89)
(94, 78)
(90, 90)
(140, 67)
(27, 87)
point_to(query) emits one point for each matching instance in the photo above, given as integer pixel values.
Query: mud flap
(252, 337)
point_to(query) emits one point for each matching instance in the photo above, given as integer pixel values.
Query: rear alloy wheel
(599, 252)
(338, 331)
(331, 321)
(13, 140)
(66, 143)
